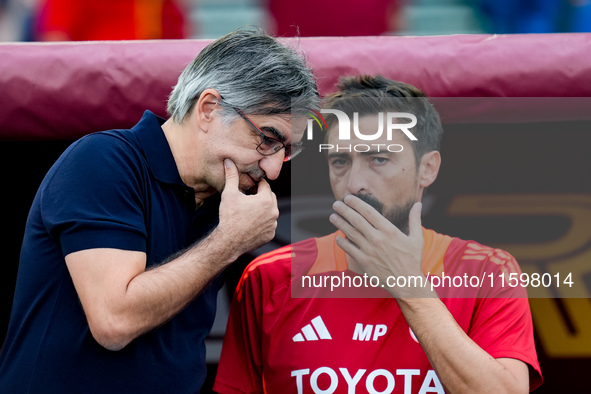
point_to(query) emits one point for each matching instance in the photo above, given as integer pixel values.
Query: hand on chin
(247, 184)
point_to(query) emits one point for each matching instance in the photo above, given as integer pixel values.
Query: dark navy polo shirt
(113, 189)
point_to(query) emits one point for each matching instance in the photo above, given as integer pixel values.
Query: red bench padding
(65, 90)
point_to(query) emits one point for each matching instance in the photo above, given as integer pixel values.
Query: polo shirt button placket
(187, 195)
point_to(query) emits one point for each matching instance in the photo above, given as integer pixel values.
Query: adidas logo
(310, 334)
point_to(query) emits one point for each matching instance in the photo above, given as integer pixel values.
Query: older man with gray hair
(130, 229)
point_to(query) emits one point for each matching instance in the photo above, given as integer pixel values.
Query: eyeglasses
(269, 146)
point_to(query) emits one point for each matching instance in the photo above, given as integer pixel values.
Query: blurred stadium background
(560, 165)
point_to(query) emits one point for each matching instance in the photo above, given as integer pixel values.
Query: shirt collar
(156, 148)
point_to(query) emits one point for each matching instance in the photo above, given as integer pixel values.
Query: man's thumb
(414, 220)
(231, 175)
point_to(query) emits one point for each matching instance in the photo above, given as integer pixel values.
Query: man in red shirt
(377, 307)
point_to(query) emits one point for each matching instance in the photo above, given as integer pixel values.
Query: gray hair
(251, 71)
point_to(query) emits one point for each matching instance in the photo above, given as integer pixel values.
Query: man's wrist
(224, 246)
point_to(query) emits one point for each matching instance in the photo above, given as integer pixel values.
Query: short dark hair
(369, 95)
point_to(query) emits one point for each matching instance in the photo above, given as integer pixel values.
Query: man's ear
(429, 168)
(204, 108)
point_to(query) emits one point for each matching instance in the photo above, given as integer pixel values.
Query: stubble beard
(256, 173)
(397, 215)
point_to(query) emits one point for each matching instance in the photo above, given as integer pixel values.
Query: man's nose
(272, 164)
(357, 181)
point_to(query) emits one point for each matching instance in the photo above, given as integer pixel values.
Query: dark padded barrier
(66, 90)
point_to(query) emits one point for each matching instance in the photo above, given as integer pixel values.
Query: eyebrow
(375, 152)
(340, 155)
(335, 155)
(269, 129)
(276, 133)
